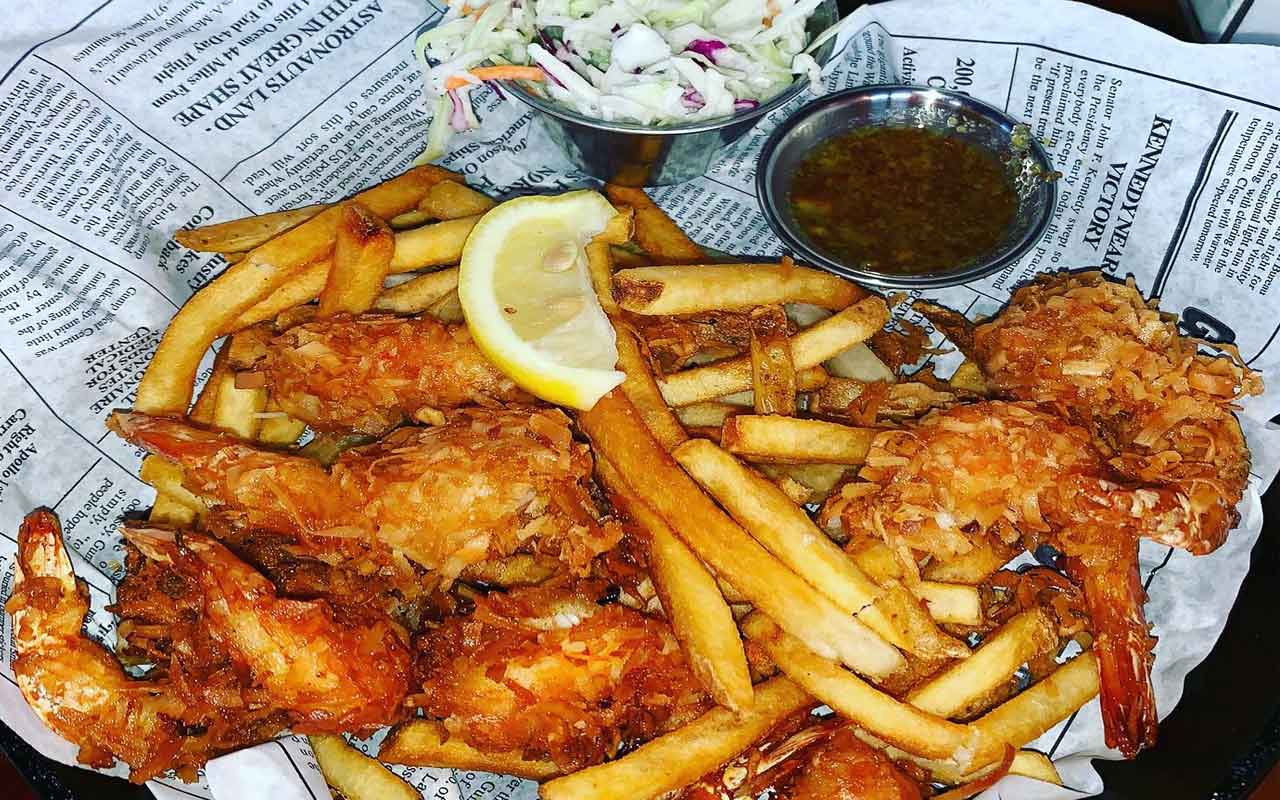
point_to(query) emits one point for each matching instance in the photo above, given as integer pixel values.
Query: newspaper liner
(116, 121)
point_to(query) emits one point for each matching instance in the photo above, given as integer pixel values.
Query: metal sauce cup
(908, 106)
(630, 154)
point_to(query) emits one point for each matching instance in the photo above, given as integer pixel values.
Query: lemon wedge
(527, 297)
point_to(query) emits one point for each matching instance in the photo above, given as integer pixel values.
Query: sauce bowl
(946, 112)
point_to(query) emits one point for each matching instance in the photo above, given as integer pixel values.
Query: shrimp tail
(171, 438)
(1125, 649)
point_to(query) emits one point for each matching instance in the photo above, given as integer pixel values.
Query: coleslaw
(652, 62)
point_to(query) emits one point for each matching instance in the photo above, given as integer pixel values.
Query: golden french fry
(988, 555)
(202, 410)
(809, 348)
(278, 428)
(237, 410)
(893, 401)
(818, 480)
(806, 381)
(361, 257)
(679, 758)
(167, 383)
(424, 743)
(245, 234)
(1026, 715)
(618, 435)
(619, 228)
(409, 219)
(233, 258)
(695, 607)
(788, 440)
(716, 287)
(303, 288)
(356, 775)
(166, 477)
(521, 569)
(706, 415)
(168, 511)
(860, 364)
(880, 714)
(954, 691)
(969, 378)
(787, 531)
(432, 245)
(452, 199)
(950, 603)
(447, 309)
(416, 295)
(773, 376)
(1031, 764)
(655, 232)
(600, 267)
(643, 392)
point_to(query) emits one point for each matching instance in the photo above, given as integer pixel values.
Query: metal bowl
(907, 106)
(630, 154)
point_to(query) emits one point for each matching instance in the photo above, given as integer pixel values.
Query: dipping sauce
(903, 201)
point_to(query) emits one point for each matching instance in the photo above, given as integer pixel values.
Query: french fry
(954, 691)
(452, 199)
(424, 743)
(416, 295)
(409, 219)
(1031, 764)
(679, 758)
(860, 364)
(773, 376)
(239, 235)
(900, 400)
(432, 245)
(620, 227)
(618, 435)
(695, 607)
(302, 289)
(447, 309)
(521, 569)
(817, 479)
(950, 603)
(969, 378)
(787, 440)
(237, 410)
(1028, 763)
(202, 410)
(883, 716)
(600, 267)
(1026, 715)
(717, 287)
(168, 511)
(655, 232)
(166, 477)
(361, 257)
(167, 383)
(356, 775)
(809, 348)
(278, 428)
(806, 381)
(704, 415)
(642, 391)
(988, 555)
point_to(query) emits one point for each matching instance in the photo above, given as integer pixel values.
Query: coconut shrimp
(371, 372)
(488, 483)
(1017, 472)
(245, 663)
(558, 672)
(1097, 353)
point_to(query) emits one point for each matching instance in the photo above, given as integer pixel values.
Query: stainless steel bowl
(907, 106)
(645, 155)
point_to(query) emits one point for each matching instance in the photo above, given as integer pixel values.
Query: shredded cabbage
(653, 62)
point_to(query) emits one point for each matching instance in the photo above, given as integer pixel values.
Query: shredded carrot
(497, 74)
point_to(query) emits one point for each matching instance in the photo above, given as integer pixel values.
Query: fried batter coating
(1100, 355)
(244, 664)
(1014, 471)
(487, 484)
(371, 372)
(551, 672)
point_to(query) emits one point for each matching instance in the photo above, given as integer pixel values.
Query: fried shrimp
(1098, 354)
(553, 673)
(1014, 471)
(486, 484)
(244, 663)
(371, 372)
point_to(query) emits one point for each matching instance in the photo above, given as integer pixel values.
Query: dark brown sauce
(902, 200)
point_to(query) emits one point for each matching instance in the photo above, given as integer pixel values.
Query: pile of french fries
(715, 463)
